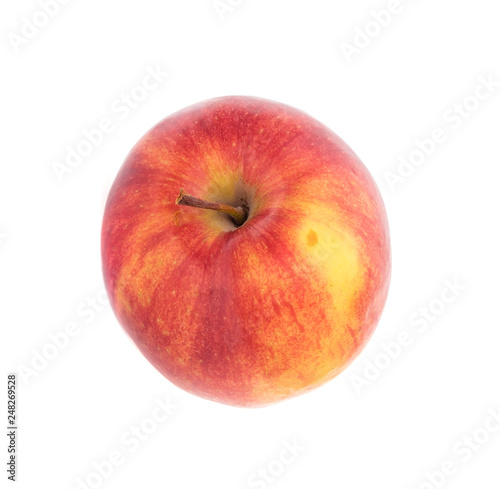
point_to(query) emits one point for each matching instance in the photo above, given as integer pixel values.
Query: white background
(74, 410)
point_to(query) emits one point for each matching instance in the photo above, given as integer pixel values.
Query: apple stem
(239, 214)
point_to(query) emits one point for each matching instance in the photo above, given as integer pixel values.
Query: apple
(246, 251)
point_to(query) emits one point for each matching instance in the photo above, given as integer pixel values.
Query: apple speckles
(312, 238)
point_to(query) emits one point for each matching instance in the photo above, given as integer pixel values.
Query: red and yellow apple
(252, 308)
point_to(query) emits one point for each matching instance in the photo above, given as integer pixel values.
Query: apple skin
(249, 315)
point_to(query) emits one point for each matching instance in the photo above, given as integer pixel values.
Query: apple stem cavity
(238, 214)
